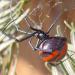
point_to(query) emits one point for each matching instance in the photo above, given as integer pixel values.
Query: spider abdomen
(53, 49)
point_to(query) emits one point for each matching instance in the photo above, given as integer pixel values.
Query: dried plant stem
(13, 62)
(48, 66)
(64, 69)
(7, 43)
(4, 3)
(19, 19)
(6, 12)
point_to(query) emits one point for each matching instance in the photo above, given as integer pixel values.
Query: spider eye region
(41, 35)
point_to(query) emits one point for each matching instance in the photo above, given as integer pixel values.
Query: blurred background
(29, 62)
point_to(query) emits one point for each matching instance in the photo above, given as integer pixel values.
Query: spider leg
(26, 37)
(53, 24)
(33, 48)
(37, 43)
(30, 43)
(17, 28)
(31, 23)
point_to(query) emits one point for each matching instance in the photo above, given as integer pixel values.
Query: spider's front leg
(23, 37)
(21, 31)
(36, 46)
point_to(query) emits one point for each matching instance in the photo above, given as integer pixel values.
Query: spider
(51, 49)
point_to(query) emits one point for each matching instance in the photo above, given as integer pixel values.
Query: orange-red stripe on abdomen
(51, 56)
(63, 52)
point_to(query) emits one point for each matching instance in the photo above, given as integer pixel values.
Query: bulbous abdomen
(53, 49)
